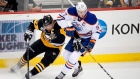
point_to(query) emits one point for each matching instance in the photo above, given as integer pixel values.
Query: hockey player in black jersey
(51, 42)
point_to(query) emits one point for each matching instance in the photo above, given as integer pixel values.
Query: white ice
(123, 70)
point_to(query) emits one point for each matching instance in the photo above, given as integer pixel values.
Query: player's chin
(82, 16)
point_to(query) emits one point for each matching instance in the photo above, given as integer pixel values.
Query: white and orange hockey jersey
(86, 27)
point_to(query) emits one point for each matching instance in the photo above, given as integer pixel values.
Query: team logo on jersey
(77, 26)
(104, 28)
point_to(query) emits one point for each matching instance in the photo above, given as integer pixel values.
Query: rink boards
(102, 58)
(119, 41)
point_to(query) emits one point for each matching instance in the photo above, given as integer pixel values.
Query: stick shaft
(28, 59)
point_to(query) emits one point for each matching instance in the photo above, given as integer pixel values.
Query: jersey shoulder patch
(90, 18)
(72, 11)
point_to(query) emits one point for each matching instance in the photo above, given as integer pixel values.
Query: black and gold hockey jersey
(59, 33)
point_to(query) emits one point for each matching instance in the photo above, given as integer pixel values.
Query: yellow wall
(104, 58)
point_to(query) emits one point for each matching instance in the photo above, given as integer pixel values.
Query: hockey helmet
(47, 19)
(81, 6)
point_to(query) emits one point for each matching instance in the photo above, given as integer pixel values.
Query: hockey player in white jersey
(84, 33)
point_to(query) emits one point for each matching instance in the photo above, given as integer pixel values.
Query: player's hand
(88, 49)
(77, 44)
(28, 35)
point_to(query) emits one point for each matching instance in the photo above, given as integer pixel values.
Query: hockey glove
(69, 31)
(28, 35)
(90, 45)
(77, 44)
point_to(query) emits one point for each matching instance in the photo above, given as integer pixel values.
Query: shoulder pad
(72, 11)
(35, 22)
(90, 18)
(40, 24)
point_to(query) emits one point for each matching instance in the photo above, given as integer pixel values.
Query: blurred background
(38, 5)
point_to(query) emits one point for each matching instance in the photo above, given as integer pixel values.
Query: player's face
(49, 27)
(81, 13)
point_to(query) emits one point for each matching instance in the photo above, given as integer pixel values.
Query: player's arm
(30, 29)
(31, 26)
(96, 30)
(58, 40)
(70, 31)
(59, 37)
(63, 18)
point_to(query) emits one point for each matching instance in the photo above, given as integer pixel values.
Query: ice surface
(123, 70)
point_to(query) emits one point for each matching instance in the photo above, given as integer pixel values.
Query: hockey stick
(28, 59)
(95, 60)
(98, 63)
(101, 66)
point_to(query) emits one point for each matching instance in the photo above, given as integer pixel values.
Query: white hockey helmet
(81, 6)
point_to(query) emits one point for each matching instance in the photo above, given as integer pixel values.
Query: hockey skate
(78, 71)
(60, 76)
(16, 67)
(26, 76)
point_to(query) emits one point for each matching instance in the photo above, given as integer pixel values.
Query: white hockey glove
(77, 44)
(28, 35)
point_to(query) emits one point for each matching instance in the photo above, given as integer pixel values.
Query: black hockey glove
(77, 44)
(28, 35)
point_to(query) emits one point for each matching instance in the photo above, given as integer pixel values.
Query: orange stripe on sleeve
(70, 29)
(92, 40)
(58, 16)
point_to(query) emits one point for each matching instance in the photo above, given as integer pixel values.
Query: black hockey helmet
(47, 19)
